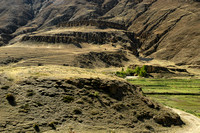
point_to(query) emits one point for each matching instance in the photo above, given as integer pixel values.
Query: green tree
(137, 70)
(143, 71)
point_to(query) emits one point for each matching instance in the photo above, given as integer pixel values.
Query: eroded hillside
(166, 29)
(38, 99)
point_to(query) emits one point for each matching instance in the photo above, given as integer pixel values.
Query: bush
(68, 99)
(95, 94)
(52, 125)
(144, 67)
(142, 72)
(36, 127)
(10, 97)
(130, 72)
(137, 70)
(121, 74)
(77, 111)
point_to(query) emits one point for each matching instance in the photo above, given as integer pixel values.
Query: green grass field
(187, 103)
(168, 85)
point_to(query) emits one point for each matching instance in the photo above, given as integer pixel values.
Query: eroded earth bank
(36, 100)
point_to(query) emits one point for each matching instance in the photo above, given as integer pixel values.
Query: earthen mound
(86, 104)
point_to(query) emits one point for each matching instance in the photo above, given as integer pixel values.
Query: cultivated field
(183, 94)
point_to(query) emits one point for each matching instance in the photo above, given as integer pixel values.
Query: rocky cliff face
(77, 37)
(167, 29)
(98, 23)
(101, 32)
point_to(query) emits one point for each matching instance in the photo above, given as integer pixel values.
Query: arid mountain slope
(48, 12)
(167, 29)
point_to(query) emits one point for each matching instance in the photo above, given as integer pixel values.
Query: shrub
(121, 74)
(10, 97)
(130, 72)
(40, 64)
(137, 70)
(77, 111)
(68, 99)
(95, 94)
(52, 125)
(143, 72)
(144, 67)
(36, 127)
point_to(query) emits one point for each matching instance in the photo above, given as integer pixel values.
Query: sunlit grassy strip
(168, 85)
(190, 104)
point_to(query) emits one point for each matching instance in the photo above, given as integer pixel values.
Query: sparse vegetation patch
(68, 99)
(94, 94)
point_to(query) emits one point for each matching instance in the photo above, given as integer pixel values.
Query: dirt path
(192, 123)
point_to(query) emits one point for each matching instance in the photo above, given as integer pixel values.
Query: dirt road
(192, 123)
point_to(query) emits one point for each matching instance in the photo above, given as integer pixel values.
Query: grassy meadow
(188, 103)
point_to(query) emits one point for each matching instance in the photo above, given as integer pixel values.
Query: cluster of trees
(142, 72)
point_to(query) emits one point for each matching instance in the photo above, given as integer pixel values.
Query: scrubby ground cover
(186, 102)
(44, 98)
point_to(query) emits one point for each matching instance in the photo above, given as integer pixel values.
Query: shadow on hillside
(145, 59)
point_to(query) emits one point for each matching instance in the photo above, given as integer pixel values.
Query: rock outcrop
(78, 37)
(98, 23)
(102, 33)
